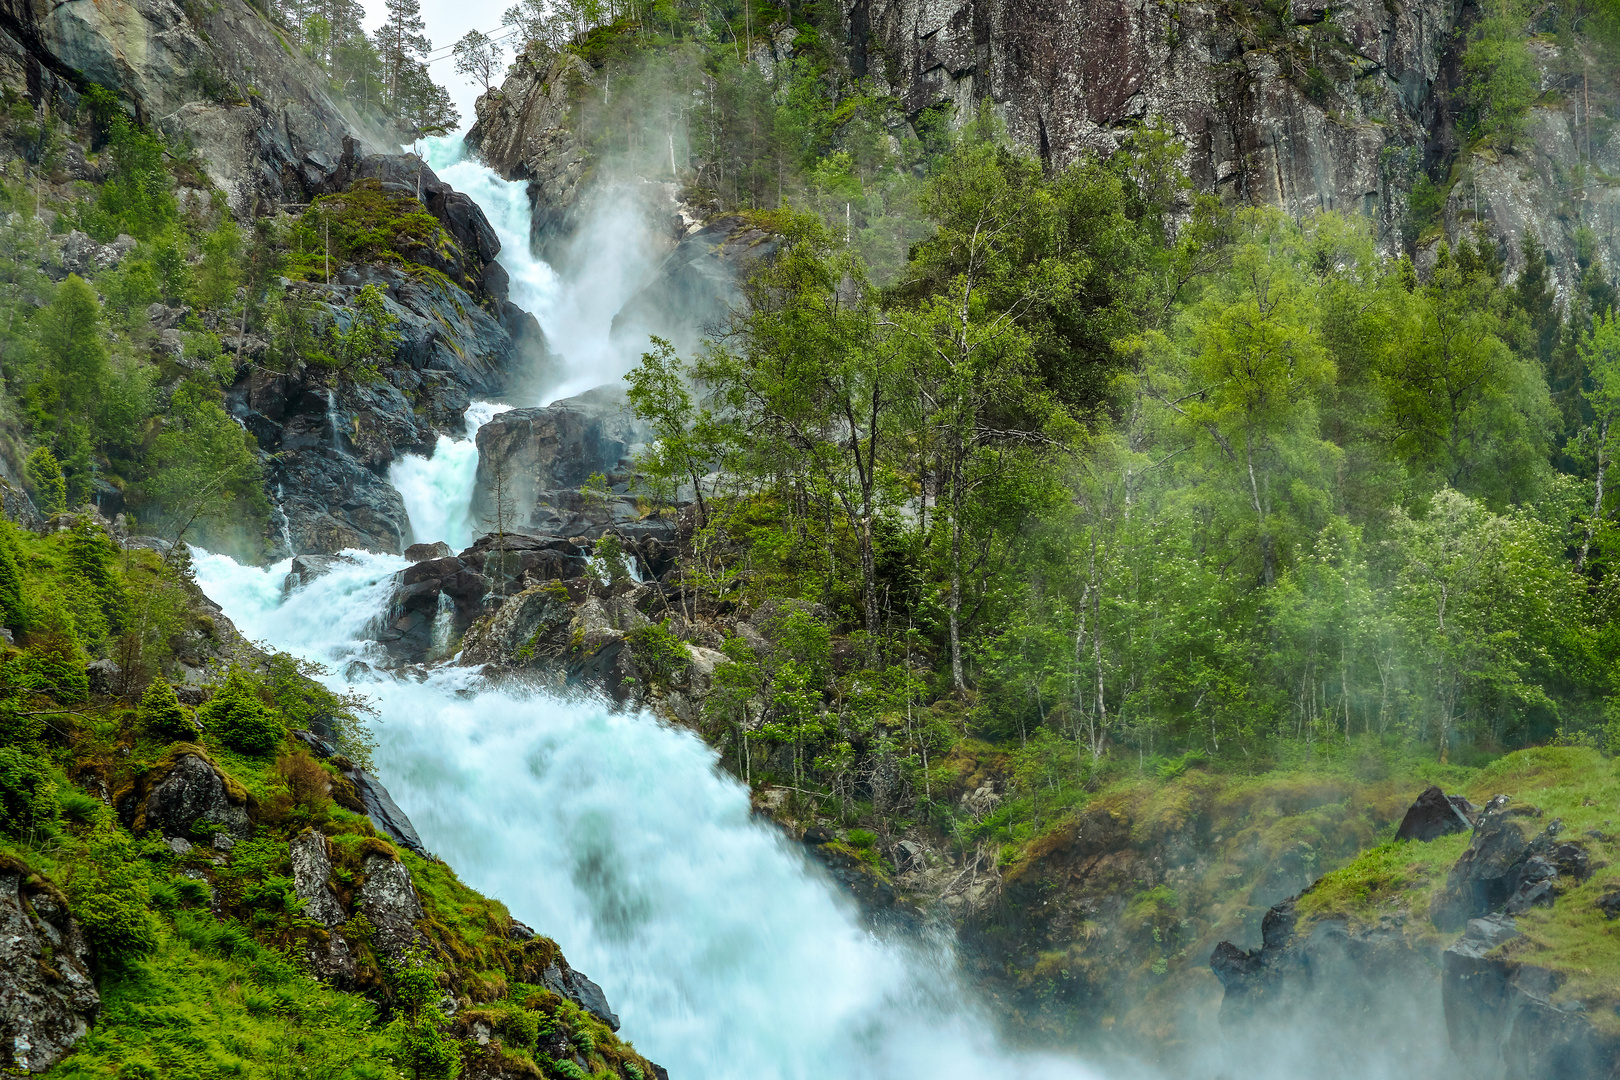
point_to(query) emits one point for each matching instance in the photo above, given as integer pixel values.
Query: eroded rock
(47, 995)
(331, 959)
(389, 901)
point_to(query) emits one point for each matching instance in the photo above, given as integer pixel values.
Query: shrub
(660, 655)
(43, 474)
(239, 720)
(13, 611)
(27, 795)
(54, 662)
(162, 716)
(111, 900)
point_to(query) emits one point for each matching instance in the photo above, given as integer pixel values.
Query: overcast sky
(447, 21)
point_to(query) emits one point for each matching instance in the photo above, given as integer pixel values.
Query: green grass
(211, 1002)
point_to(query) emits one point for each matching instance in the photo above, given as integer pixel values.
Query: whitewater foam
(728, 955)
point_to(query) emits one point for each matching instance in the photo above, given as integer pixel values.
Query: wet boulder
(369, 796)
(1436, 814)
(532, 464)
(185, 795)
(47, 995)
(1509, 866)
(564, 981)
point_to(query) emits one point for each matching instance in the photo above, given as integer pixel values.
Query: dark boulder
(564, 981)
(1436, 814)
(47, 995)
(1609, 904)
(182, 791)
(374, 799)
(1507, 866)
(438, 549)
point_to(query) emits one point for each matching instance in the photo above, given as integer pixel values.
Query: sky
(447, 21)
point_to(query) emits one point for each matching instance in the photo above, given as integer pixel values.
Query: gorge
(875, 540)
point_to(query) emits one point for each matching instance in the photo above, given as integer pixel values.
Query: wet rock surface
(374, 800)
(1509, 865)
(532, 464)
(47, 996)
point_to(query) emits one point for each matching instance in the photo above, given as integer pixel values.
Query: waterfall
(727, 953)
(437, 490)
(286, 526)
(331, 416)
(614, 254)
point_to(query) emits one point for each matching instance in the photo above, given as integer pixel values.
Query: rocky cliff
(1304, 106)
(217, 75)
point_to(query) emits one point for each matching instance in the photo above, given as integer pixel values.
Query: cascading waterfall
(727, 954)
(437, 490)
(615, 253)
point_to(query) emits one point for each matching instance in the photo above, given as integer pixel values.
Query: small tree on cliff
(478, 57)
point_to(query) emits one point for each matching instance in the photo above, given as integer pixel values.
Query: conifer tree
(401, 42)
(162, 715)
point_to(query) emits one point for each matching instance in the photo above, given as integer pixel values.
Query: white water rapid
(438, 490)
(613, 254)
(727, 955)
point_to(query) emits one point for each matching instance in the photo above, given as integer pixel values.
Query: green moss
(366, 224)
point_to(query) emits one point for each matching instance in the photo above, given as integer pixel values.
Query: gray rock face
(540, 458)
(190, 792)
(1508, 867)
(188, 70)
(1500, 1019)
(378, 805)
(563, 980)
(523, 133)
(331, 960)
(388, 900)
(47, 997)
(694, 290)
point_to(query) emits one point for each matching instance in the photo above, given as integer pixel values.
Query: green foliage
(45, 480)
(362, 336)
(110, 894)
(202, 467)
(28, 806)
(419, 1046)
(162, 716)
(138, 198)
(1500, 81)
(660, 656)
(239, 719)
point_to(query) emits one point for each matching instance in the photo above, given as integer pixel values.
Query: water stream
(726, 953)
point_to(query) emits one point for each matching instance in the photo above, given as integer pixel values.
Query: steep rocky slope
(1308, 107)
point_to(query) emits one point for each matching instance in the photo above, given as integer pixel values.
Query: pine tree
(401, 41)
(162, 715)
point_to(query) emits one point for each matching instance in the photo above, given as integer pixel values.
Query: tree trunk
(954, 603)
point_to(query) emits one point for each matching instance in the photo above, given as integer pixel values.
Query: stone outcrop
(523, 133)
(372, 797)
(47, 996)
(1509, 866)
(1435, 814)
(1501, 1021)
(532, 464)
(215, 75)
(1499, 1009)
(184, 796)
(389, 902)
(331, 960)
